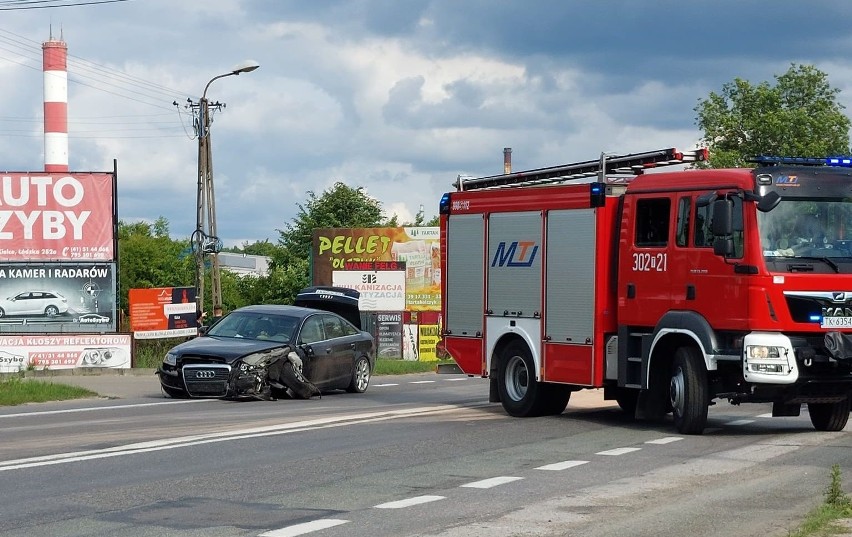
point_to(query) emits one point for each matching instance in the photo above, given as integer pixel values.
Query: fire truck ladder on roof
(632, 164)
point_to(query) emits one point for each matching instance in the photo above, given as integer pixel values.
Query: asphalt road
(417, 455)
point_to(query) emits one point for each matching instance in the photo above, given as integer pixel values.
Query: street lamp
(205, 240)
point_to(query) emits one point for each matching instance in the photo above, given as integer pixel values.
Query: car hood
(226, 348)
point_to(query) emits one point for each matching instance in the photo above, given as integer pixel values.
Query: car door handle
(352, 346)
(328, 350)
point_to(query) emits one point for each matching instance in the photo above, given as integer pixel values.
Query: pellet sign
(56, 216)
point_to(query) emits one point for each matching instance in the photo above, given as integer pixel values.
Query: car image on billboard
(47, 303)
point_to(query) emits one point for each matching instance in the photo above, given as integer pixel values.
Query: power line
(80, 69)
(32, 4)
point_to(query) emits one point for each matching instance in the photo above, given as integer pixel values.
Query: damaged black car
(276, 351)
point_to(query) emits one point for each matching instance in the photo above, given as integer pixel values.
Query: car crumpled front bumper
(198, 380)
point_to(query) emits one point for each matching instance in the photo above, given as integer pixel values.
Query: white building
(244, 264)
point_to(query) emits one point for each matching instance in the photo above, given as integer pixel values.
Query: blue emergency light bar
(767, 160)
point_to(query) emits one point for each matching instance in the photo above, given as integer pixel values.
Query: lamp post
(205, 240)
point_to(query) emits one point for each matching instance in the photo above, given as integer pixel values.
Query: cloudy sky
(396, 96)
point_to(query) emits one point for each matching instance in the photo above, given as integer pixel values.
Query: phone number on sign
(53, 358)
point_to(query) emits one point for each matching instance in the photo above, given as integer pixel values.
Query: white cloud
(396, 100)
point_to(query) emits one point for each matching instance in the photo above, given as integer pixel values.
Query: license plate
(836, 322)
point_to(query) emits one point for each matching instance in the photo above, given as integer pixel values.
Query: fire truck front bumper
(773, 358)
(769, 358)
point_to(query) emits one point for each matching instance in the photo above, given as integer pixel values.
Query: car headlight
(170, 359)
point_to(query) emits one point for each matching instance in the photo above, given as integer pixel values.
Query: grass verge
(823, 521)
(17, 391)
(402, 367)
(150, 353)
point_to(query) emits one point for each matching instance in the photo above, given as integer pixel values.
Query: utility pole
(205, 240)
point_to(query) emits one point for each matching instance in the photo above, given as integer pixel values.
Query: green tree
(798, 116)
(263, 247)
(149, 258)
(339, 206)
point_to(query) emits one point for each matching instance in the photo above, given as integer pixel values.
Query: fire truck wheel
(688, 392)
(522, 396)
(829, 416)
(555, 399)
(627, 399)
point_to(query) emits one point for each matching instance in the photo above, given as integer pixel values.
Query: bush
(149, 353)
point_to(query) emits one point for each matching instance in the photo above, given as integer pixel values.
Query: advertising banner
(341, 249)
(389, 335)
(56, 216)
(429, 337)
(381, 284)
(61, 351)
(409, 342)
(163, 312)
(57, 297)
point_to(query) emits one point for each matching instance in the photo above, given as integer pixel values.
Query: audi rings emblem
(205, 374)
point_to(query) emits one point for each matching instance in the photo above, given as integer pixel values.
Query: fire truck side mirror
(722, 223)
(723, 246)
(722, 227)
(769, 201)
(705, 199)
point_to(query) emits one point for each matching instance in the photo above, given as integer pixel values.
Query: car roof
(280, 309)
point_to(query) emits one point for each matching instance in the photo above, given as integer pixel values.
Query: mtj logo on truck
(516, 254)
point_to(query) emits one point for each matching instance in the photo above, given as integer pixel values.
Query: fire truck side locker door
(465, 277)
(570, 296)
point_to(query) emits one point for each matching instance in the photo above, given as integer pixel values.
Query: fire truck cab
(668, 290)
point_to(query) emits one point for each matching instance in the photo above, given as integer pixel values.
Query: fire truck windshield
(807, 228)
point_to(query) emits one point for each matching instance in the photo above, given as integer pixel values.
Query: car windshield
(807, 228)
(256, 325)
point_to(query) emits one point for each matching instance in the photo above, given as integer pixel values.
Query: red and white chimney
(55, 54)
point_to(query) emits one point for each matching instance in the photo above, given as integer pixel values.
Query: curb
(82, 372)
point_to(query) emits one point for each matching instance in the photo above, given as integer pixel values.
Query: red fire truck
(667, 289)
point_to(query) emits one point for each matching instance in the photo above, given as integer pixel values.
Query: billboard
(389, 334)
(380, 284)
(163, 312)
(61, 351)
(342, 249)
(57, 297)
(57, 216)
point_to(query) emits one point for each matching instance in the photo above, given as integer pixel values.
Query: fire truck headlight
(764, 352)
(766, 368)
(766, 359)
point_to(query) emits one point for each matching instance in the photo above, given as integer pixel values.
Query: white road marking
(492, 482)
(564, 465)
(239, 434)
(408, 502)
(421, 382)
(90, 409)
(665, 440)
(307, 527)
(386, 384)
(740, 422)
(618, 451)
(453, 380)
(767, 415)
